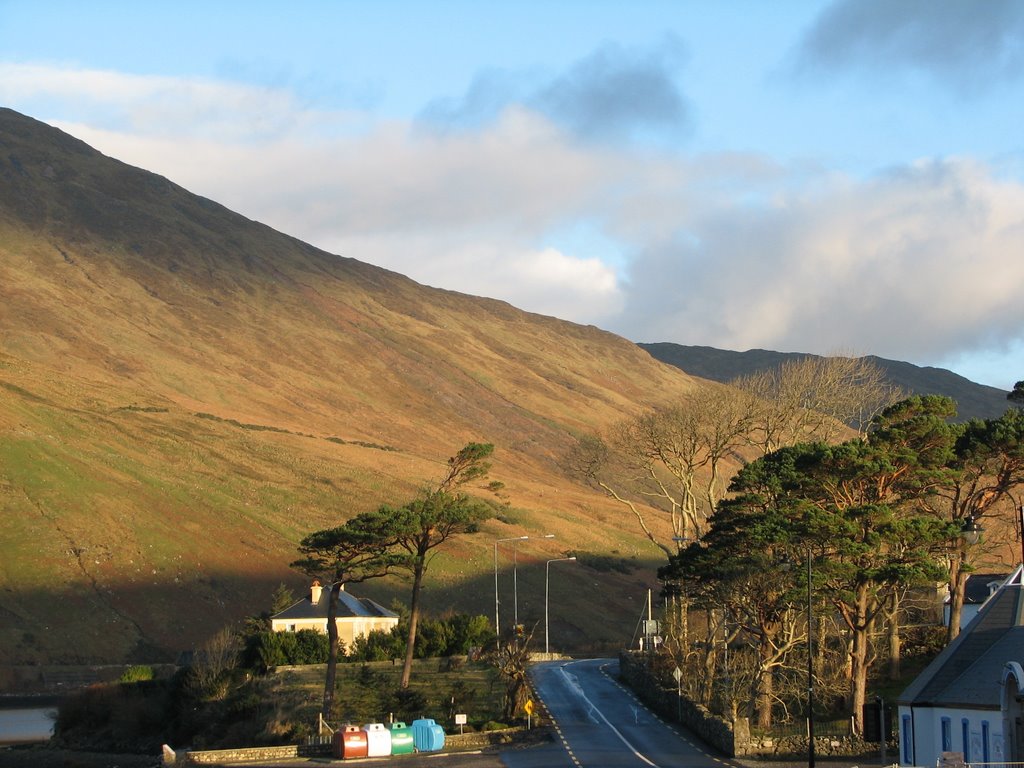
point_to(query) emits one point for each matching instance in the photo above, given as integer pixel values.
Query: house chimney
(314, 592)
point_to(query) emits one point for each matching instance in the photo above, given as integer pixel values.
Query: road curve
(600, 724)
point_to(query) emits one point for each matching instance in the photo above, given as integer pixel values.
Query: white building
(355, 615)
(969, 699)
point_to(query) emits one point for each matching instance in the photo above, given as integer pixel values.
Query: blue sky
(824, 177)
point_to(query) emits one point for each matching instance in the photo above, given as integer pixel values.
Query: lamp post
(497, 631)
(547, 580)
(810, 668)
(515, 576)
(1021, 519)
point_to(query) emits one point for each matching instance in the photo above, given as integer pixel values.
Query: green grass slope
(185, 392)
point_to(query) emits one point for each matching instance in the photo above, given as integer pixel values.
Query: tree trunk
(859, 661)
(764, 697)
(414, 617)
(709, 662)
(820, 646)
(892, 618)
(957, 587)
(332, 655)
(765, 685)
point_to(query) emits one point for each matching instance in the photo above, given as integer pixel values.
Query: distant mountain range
(975, 401)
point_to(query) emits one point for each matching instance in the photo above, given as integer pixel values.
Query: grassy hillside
(185, 392)
(975, 401)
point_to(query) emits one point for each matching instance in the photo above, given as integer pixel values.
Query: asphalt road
(600, 724)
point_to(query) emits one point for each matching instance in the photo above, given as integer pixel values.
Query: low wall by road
(732, 738)
(452, 743)
(714, 730)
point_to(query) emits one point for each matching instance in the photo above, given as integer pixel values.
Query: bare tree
(670, 460)
(812, 398)
(211, 664)
(511, 660)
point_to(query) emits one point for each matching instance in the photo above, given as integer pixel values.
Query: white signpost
(677, 673)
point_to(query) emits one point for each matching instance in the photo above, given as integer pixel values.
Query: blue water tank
(427, 735)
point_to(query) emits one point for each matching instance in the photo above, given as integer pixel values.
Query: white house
(968, 701)
(355, 616)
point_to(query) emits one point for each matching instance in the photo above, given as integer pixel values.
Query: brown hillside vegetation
(185, 392)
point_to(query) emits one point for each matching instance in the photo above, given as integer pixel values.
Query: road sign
(677, 673)
(528, 706)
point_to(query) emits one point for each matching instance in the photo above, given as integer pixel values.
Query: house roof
(349, 606)
(968, 671)
(980, 586)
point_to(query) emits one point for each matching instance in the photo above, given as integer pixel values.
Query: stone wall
(787, 747)
(452, 743)
(734, 739)
(253, 754)
(715, 730)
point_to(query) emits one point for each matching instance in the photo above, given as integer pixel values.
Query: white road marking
(582, 695)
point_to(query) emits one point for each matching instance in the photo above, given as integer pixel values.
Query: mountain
(975, 401)
(184, 393)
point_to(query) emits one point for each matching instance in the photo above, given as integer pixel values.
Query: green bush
(137, 673)
(408, 704)
(265, 650)
(379, 645)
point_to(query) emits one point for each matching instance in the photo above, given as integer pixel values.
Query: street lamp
(971, 530)
(810, 668)
(497, 631)
(1021, 519)
(515, 576)
(547, 578)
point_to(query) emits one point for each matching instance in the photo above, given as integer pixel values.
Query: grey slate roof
(349, 606)
(968, 671)
(977, 590)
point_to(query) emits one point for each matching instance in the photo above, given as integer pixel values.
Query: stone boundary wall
(715, 730)
(452, 743)
(733, 739)
(250, 754)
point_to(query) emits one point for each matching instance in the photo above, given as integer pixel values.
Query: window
(908, 741)
(291, 627)
(965, 728)
(984, 742)
(947, 735)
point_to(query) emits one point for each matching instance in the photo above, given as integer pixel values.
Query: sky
(833, 177)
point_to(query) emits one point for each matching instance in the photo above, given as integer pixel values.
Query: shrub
(408, 704)
(137, 673)
(379, 645)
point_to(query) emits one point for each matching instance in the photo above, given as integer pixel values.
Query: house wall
(967, 612)
(921, 735)
(348, 628)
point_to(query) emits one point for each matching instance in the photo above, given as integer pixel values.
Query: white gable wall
(927, 732)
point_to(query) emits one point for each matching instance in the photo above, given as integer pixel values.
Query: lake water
(19, 726)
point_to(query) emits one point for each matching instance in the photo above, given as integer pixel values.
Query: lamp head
(971, 530)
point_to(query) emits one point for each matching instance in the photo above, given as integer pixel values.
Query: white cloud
(157, 106)
(921, 262)
(914, 264)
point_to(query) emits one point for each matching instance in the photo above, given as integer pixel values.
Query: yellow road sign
(528, 706)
